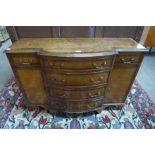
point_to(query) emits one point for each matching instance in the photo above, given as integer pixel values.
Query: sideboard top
(73, 45)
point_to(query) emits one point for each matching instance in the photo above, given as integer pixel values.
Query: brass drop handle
(25, 63)
(100, 79)
(97, 94)
(131, 61)
(94, 81)
(93, 105)
(94, 65)
(91, 95)
(61, 95)
(104, 63)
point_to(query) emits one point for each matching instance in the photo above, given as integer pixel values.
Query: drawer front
(128, 59)
(68, 106)
(77, 94)
(85, 106)
(78, 64)
(59, 105)
(77, 79)
(25, 60)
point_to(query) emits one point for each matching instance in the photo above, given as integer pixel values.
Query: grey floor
(145, 76)
(5, 69)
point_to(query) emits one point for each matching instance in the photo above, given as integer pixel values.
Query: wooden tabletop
(75, 45)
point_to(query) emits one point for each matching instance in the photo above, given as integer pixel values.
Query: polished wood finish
(86, 78)
(75, 75)
(29, 78)
(77, 45)
(60, 63)
(32, 84)
(77, 88)
(61, 92)
(122, 76)
(19, 60)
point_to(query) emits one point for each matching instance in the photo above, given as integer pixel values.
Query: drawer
(82, 106)
(25, 60)
(59, 105)
(77, 94)
(77, 79)
(128, 59)
(78, 63)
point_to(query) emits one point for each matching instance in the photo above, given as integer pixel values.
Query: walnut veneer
(75, 75)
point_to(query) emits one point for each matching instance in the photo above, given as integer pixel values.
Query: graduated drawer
(77, 79)
(78, 63)
(25, 59)
(80, 106)
(77, 94)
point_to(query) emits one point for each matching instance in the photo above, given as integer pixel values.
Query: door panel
(121, 79)
(31, 81)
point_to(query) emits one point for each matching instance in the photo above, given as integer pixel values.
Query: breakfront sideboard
(75, 75)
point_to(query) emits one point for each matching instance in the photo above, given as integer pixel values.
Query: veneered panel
(31, 82)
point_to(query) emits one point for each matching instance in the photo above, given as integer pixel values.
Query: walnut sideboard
(75, 75)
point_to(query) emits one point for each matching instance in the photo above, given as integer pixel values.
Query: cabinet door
(31, 82)
(122, 77)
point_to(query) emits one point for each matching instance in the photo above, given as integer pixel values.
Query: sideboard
(75, 75)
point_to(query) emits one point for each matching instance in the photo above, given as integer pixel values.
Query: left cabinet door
(31, 82)
(28, 76)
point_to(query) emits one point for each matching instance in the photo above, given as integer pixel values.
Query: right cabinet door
(122, 76)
